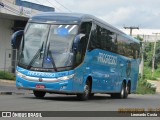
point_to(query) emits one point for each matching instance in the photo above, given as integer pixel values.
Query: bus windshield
(47, 46)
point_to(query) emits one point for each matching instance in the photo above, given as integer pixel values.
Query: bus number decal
(107, 59)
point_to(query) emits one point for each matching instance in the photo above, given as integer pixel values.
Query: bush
(143, 87)
(148, 73)
(6, 75)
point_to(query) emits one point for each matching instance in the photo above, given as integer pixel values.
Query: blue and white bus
(75, 54)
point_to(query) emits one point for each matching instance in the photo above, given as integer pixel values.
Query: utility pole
(131, 29)
(154, 52)
(142, 56)
(141, 67)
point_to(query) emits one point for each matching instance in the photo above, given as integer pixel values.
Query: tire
(91, 95)
(86, 93)
(114, 95)
(39, 94)
(123, 93)
(127, 88)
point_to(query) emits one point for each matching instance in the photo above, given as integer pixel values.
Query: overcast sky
(119, 13)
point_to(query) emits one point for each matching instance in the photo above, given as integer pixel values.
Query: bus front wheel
(86, 93)
(39, 94)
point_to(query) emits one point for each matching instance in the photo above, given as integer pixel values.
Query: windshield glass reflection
(48, 46)
(60, 46)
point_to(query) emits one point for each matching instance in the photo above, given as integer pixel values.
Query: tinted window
(102, 38)
(85, 29)
(127, 48)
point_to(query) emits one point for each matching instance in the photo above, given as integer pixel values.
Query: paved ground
(54, 102)
(70, 103)
(157, 83)
(8, 87)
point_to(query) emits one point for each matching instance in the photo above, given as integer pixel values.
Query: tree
(157, 57)
(139, 38)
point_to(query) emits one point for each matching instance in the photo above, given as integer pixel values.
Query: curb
(5, 93)
(11, 93)
(7, 81)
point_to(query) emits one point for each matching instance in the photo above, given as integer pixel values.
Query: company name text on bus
(107, 59)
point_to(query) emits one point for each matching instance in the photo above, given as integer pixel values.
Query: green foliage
(148, 72)
(150, 53)
(144, 87)
(6, 75)
(139, 38)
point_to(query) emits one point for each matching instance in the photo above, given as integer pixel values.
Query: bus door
(80, 52)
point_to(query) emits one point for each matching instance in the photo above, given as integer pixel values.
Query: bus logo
(40, 79)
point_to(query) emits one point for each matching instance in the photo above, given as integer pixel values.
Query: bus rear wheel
(123, 93)
(39, 94)
(86, 93)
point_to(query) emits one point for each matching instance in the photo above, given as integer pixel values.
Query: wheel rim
(122, 92)
(86, 90)
(127, 89)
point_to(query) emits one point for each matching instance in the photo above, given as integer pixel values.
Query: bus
(75, 54)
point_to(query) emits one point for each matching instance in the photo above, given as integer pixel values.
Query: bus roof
(75, 18)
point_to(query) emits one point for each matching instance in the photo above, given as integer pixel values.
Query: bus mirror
(16, 39)
(77, 40)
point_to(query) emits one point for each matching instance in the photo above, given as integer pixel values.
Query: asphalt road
(54, 102)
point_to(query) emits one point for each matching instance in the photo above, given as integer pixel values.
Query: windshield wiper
(35, 56)
(52, 60)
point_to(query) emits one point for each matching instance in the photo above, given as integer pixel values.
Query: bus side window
(93, 43)
(102, 38)
(85, 28)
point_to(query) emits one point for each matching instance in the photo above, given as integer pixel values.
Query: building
(14, 15)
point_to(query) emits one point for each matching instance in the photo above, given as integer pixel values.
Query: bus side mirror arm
(77, 40)
(16, 39)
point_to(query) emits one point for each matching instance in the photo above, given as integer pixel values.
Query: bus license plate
(40, 86)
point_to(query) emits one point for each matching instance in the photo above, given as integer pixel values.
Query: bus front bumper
(60, 85)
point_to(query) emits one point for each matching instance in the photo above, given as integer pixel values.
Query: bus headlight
(44, 79)
(66, 77)
(20, 74)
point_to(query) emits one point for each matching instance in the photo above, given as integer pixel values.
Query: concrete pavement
(157, 83)
(7, 87)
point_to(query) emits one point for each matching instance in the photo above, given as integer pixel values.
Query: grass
(148, 73)
(6, 75)
(143, 87)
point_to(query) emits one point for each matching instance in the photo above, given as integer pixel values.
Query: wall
(5, 44)
(9, 12)
(34, 6)
(10, 8)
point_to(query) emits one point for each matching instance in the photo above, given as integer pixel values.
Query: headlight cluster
(66, 77)
(20, 74)
(44, 79)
